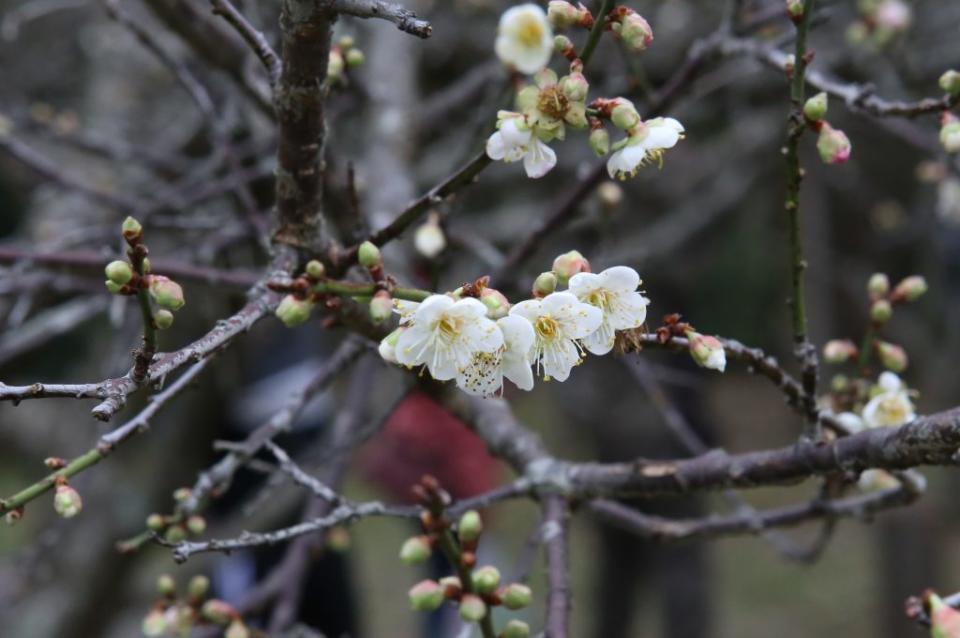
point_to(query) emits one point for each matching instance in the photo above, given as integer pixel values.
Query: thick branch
(405, 19)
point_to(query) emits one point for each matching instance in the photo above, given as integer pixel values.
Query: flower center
(547, 327)
(529, 31)
(448, 326)
(893, 410)
(552, 102)
(598, 298)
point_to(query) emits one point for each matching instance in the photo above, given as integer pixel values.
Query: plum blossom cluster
(172, 615)
(545, 108)
(475, 337)
(880, 22)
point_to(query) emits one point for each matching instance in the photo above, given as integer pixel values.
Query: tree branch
(405, 19)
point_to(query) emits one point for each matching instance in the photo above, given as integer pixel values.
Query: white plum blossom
(444, 335)
(514, 141)
(645, 145)
(892, 406)
(484, 376)
(524, 38)
(559, 320)
(614, 291)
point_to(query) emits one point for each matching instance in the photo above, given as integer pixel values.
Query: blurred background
(94, 127)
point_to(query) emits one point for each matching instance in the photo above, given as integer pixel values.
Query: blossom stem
(450, 548)
(144, 354)
(351, 289)
(599, 24)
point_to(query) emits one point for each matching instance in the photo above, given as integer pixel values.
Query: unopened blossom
(839, 351)
(484, 375)
(872, 480)
(429, 239)
(950, 82)
(707, 351)
(893, 15)
(614, 291)
(563, 15)
(524, 38)
(559, 321)
(515, 141)
(496, 302)
(645, 145)
(944, 619)
(445, 334)
(910, 288)
(892, 356)
(634, 30)
(833, 145)
(950, 133)
(891, 406)
(67, 501)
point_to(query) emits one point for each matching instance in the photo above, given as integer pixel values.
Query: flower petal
(620, 279)
(539, 160)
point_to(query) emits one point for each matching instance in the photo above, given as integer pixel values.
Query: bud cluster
(344, 55)
(880, 22)
(175, 528)
(564, 15)
(171, 615)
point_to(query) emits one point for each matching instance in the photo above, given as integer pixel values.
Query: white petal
(519, 372)
(482, 335)
(469, 307)
(431, 309)
(539, 160)
(560, 304)
(628, 310)
(518, 335)
(413, 345)
(512, 134)
(620, 279)
(529, 309)
(601, 340)
(889, 381)
(482, 377)
(387, 351)
(661, 137)
(583, 283)
(446, 363)
(496, 149)
(558, 358)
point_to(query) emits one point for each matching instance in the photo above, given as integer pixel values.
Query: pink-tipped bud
(67, 501)
(496, 302)
(911, 288)
(635, 32)
(562, 14)
(833, 145)
(516, 629)
(154, 624)
(950, 82)
(486, 579)
(293, 312)
(944, 619)
(544, 284)
(472, 608)
(167, 293)
(707, 351)
(624, 115)
(218, 612)
(599, 141)
(815, 108)
(415, 550)
(119, 272)
(427, 595)
(569, 264)
(839, 351)
(381, 306)
(470, 527)
(892, 356)
(878, 286)
(516, 596)
(881, 311)
(166, 586)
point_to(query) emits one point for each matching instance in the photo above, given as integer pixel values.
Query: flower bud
(795, 9)
(196, 525)
(429, 239)
(67, 501)
(154, 624)
(470, 526)
(155, 522)
(636, 32)
(119, 272)
(472, 608)
(182, 494)
(544, 284)
(451, 583)
(355, 58)
(293, 311)
(369, 255)
(707, 351)
(167, 293)
(562, 44)
(878, 286)
(624, 115)
(315, 269)
(416, 549)
(950, 134)
(381, 306)
(569, 264)
(338, 539)
(839, 383)
(575, 87)
(833, 145)
(486, 579)
(892, 356)
(516, 629)
(112, 287)
(166, 586)
(163, 319)
(175, 534)
(816, 107)
(388, 346)
(218, 612)
(516, 596)
(839, 351)
(198, 587)
(911, 288)
(944, 619)
(599, 141)
(426, 595)
(950, 82)
(146, 265)
(562, 14)
(496, 302)
(13, 517)
(237, 630)
(610, 194)
(851, 421)
(335, 65)
(881, 311)
(131, 229)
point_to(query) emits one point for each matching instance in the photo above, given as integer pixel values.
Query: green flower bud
(293, 311)
(486, 579)
(878, 286)
(175, 534)
(415, 550)
(113, 287)
(516, 596)
(833, 145)
(166, 586)
(218, 612)
(795, 8)
(146, 265)
(950, 135)
(575, 87)
(544, 284)
(576, 115)
(911, 288)
(496, 302)
(155, 522)
(369, 255)
(196, 525)
(163, 318)
(198, 587)
(381, 306)
(119, 272)
(131, 229)
(624, 115)
(881, 311)
(562, 14)
(472, 608)
(67, 501)
(950, 82)
(346, 42)
(154, 624)
(355, 58)
(516, 629)
(451, 584)
(562, 43)
(816, 107)
(839, 383)
(237, 630)
(316, 269)
(707, 351)
(167, 293)
(426, 595)
(599, 141)
(892, 356)
(182, 494)
(635, 32)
